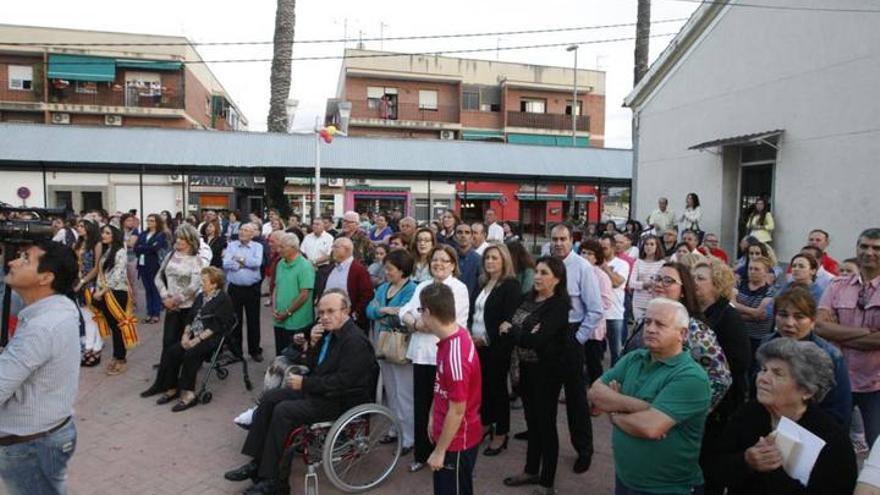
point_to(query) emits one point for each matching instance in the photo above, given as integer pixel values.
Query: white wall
(156, 198)
(11, 181)
(813, 75)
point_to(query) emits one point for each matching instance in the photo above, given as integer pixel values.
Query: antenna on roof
(360, 44)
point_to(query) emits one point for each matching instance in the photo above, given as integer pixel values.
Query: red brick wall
(399, 133)
(595, 109)
(196, 95)
(485, 120)
(593, 105)
(407, 92)
(34, 117)
(178, 123)
(7, 94)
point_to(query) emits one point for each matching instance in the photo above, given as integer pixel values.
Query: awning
(82, 68)
(766, 137)
(478, 196)
(482, 135)
(527, 196)
(128, 63)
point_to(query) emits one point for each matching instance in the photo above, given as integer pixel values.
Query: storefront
(362, 198)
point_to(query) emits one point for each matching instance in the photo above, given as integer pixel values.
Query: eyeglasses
(665, 281)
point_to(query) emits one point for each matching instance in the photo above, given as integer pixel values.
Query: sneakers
(116, 367)
(244, 419)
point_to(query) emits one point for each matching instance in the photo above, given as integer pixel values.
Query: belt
(15, 439)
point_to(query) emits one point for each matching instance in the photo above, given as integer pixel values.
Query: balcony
(549, 121)
(25, 97)
(116, 96)
(403, 115)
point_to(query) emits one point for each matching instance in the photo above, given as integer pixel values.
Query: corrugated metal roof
(742, 139)
(167, 150)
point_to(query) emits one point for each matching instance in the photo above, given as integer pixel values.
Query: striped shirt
(747, 297)
(39, 369)
(458, 379)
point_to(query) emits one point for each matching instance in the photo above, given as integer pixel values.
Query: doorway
(756, 181)
(92, 200)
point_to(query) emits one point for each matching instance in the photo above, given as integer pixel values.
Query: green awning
(482, 135)
(547, 140)
(128, 63)
(82, 68)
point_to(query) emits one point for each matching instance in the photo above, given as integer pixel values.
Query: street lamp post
(574, 95)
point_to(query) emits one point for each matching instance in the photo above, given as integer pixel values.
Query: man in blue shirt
(583, 319)
(468, 259)
(242, 262)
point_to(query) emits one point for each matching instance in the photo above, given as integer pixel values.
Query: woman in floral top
(112, 293)
(178, 281)
(674, 281)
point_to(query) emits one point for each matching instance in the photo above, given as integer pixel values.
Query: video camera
(26, 225)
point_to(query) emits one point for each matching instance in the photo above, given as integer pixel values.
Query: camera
(27, 225)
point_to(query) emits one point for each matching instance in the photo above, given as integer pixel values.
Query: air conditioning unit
(177, 179)
(259, 180)
(447, 135)
(114, 120)
(334, 182)
(61, 118)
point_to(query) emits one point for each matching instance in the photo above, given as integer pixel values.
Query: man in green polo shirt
(657, 399)
(294, 282)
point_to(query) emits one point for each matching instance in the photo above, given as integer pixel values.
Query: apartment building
(435, 97)
(65, 77)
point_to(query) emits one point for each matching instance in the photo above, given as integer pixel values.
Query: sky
(315, 81)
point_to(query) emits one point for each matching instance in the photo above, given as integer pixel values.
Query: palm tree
(643, 34)
(285, 20)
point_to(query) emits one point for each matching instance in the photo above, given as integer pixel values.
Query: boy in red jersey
(454, 426)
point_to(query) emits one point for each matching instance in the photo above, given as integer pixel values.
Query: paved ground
(130, 445)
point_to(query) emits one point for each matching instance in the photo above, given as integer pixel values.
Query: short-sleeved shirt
(677, 387)
(291, 277)
(842, 299)
(458, 379)
(752, 299)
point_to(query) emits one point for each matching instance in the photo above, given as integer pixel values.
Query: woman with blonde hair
(493, 308)
(178, 282)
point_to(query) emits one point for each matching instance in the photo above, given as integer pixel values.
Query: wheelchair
(350, 449)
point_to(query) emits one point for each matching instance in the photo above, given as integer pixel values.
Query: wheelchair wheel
(354, 459)
(222, 373)
(206, 397)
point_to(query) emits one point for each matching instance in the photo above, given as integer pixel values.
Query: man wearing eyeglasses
(363, 248)
(849, 315)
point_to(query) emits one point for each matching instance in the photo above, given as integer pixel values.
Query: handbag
(392, 346)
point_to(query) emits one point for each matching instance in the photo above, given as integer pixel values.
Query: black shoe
(523, 435)
(258, 358)
(183, 406)
(582, 464)
(387, 439)
(153, 390)
(248, 471)
(263, 487)
(405, 451)
(493, 452)
(165, 399)
(521, 480)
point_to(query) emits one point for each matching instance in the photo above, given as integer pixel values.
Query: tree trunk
(643, 34)
(285, 20)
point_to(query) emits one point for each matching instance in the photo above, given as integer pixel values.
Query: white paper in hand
(800, 449)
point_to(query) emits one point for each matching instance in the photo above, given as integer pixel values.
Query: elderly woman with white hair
(794, 377)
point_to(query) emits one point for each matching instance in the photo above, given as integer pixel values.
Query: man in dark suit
(343, 366)
(351, 276)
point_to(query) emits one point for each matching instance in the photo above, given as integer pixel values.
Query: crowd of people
(460, 324)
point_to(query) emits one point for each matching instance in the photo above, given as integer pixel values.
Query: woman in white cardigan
(422, 349)
(690, 219)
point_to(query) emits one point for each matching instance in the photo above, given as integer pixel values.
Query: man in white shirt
(495, 230)
(618, 271)
(267, 227)
(318, 244)
(478, 232)
(662, 218)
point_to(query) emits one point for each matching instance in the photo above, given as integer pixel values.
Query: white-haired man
(292, 295)
(363, 248)
(658, 398)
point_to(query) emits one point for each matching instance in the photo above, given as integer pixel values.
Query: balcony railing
(546, 121)
(118, 97)
(403, 111)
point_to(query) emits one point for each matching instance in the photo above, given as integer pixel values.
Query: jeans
(869, 405)
(616, 335)
(39, 467)
(621, 489)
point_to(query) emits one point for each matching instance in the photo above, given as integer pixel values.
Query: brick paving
(127, 444)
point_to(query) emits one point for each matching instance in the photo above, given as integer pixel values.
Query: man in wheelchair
(342, 364)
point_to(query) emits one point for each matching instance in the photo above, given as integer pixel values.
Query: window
(490, 99)
(470, 100)
(580, 107)
(376, 94)
(427, 99)
(532, 105)
(21, 77)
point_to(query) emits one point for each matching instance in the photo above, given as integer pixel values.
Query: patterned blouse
(180, 278)
(116, 278)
